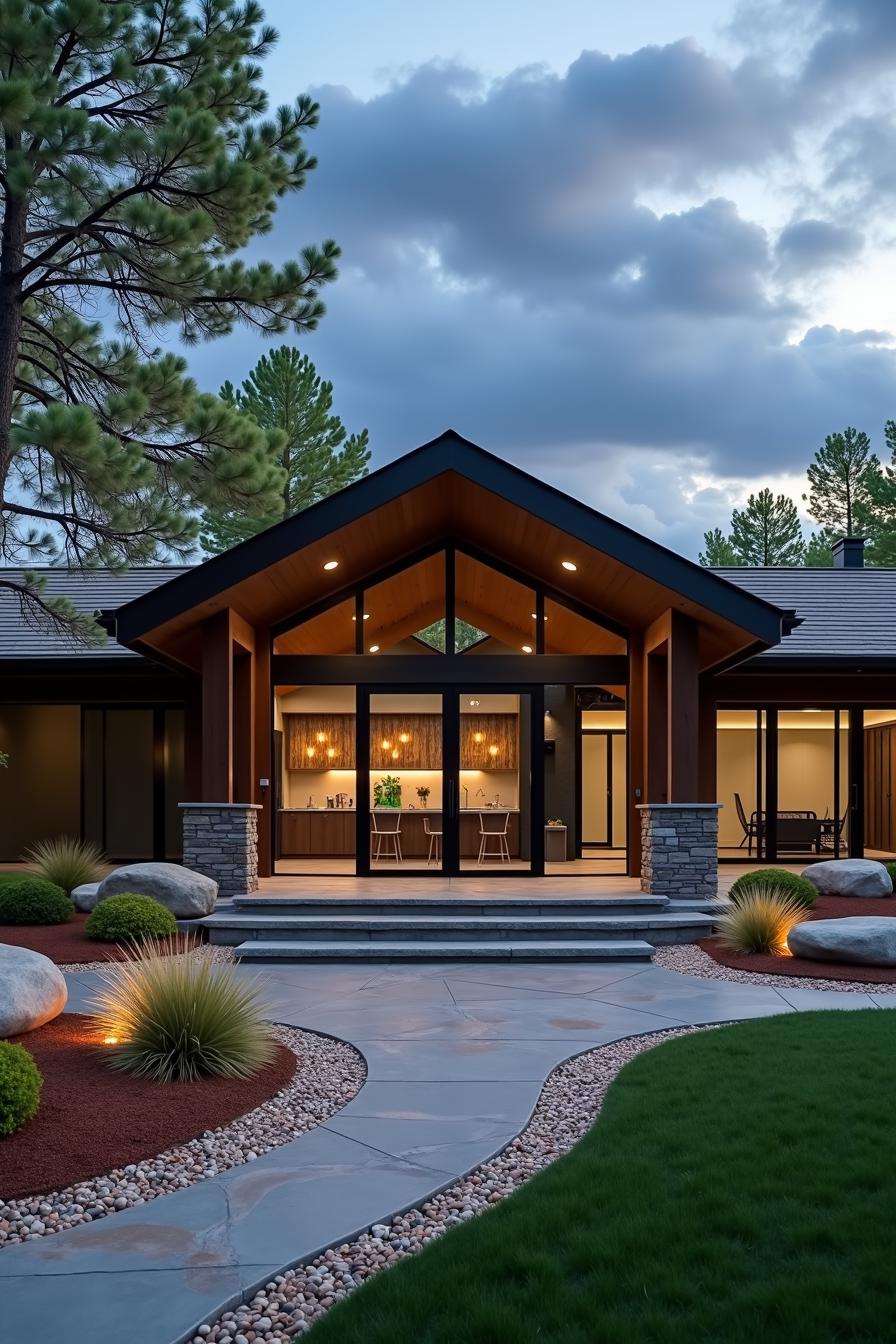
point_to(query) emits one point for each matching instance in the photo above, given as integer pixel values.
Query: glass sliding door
(409, 795)
(495, 755)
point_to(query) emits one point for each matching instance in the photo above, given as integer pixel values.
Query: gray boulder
(849, 877)
(187, 895)
(32, 990)
(868, 940)
(86, 896)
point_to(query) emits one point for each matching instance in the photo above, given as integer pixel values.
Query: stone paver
(456, 1057)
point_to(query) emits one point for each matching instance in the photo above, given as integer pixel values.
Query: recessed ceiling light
(331, 564)
(535, 617)
(570, 565)
(365, 617)
(527, 648)
(374, 648)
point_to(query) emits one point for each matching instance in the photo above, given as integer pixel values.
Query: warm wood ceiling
(450, 506)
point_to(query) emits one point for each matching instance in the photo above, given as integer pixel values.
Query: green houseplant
(387, 792)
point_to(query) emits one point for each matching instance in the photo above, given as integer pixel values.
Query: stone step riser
(684, 932)
(623, 952)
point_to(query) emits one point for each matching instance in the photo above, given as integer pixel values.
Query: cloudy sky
(645, 251)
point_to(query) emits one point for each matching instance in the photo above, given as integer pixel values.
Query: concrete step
(298, 950)
(234, 928)
(391, 905)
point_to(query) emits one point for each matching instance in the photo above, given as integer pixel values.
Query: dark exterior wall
(560, 791)
(40, 790)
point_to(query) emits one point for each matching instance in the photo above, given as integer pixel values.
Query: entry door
(450, 782)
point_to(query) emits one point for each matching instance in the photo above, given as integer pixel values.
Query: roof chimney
(849, 553)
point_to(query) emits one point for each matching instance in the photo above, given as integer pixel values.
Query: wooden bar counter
(329, 832)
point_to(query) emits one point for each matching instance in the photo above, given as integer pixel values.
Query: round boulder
(186, 894)
(86, 896)
(867, 940)
(849, 877)
(32, 990)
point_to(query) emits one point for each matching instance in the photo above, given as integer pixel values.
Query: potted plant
(423, 793)
(387, 792)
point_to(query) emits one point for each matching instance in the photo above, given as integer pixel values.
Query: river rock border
(570, 1101)
(330, 1073)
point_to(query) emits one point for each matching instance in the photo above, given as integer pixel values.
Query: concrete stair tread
(412, 950)
(529, 898)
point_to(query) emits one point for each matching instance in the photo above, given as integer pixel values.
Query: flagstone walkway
(456, 1055)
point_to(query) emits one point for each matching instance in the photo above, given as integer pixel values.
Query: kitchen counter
(329, 832)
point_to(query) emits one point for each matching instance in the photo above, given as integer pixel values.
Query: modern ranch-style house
(451, 667)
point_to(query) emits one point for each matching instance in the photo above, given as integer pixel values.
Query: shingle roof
(89, 590)
(845, 613)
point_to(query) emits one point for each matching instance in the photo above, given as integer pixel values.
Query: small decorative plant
(130, 918)
(779, 880)
(387, 792)
(20, 1084)
(34, 900)
(555, 821)
(67, 862)
(423, 794)
(174, 1018)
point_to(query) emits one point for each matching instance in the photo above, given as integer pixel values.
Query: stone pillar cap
(221, 806)
(679, 807)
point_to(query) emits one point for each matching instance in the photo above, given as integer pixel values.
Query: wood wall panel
(303, 731)
(421, 751)
(880, 780)
(492, 730)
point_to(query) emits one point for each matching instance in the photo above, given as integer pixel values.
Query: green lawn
(738, 1186)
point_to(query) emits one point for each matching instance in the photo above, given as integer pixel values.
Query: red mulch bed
(825, 907)
(67, 1141)
(65, 944)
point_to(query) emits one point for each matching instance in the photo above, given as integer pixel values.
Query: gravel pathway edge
(329, 1074)
(689, 959)
(569, 1103)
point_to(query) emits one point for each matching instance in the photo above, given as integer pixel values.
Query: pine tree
(766, 532)
(879, 520)
(137, 162)
(719, 553)
(285, 396)
(841, 478)
(818, 549)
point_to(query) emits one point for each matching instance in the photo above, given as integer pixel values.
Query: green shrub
(891, 869)
(760, 920)
(776, 879)
(67, 862)
(20, 1084)
(33, 900)
(126, 918)
(177, 1018)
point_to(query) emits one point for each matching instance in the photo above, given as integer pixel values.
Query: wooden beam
(217, 710)
(264, 765)
(682, 711)
(707, 760)
(656, 728)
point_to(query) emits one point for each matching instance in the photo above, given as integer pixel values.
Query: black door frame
(451, 694)
(609, 734)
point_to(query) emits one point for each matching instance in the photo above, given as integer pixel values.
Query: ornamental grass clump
(33, 900)
(760, 921)
(780, 880)
(175, 1018)
(67, 862)
(20, 1084)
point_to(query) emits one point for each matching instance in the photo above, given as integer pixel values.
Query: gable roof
(844, 613)
(89, 590)
(450, 488)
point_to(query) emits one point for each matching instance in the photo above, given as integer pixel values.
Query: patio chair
(386, 831)
(750, 828)
(489, 832)
(435, 842)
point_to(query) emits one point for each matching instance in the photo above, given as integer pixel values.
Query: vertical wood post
(264, 731)
(635, 724)
(682, 711)
(217, 709)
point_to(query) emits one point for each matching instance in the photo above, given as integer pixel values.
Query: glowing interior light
(570, 565)
(527, 648)
(321, 737)
(493, 750)
(478, 737)
(386, 744)
(374, 648)
(331, 752)
(404, 737)
(331, 564)
(309, 751)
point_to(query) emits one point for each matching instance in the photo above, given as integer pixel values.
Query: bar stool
(497, 832)
(386, 830)
(435, 842)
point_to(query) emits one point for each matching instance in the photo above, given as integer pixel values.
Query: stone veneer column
(221, 840)
(680, 849)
